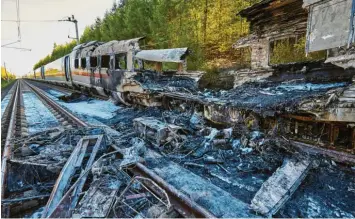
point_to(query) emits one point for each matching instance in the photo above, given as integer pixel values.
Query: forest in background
(208, 28)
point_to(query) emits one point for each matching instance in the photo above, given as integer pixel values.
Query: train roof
(78, 46)
(163, 55)
(83, 45)
(115, 46)
(88, 48)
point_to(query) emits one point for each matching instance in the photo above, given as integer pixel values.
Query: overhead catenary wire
(18, 21)
(20, 48)
(21, 21)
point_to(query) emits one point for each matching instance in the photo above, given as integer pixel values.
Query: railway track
(181, 203)
(71, 90)
(10, 129)
(8, 124)
(66, 118)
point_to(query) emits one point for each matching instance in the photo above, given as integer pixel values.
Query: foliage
(207, 27)
(286, 51)
(6, 77)
(214, 79)
(5, 83)
(6, 74)
(58, 51)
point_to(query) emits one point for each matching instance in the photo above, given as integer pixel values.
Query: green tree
(208, 28)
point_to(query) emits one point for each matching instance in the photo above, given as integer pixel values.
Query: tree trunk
(205, 22)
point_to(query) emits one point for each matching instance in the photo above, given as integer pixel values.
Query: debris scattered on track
(73, 97)
(235, 163)
(38, 116)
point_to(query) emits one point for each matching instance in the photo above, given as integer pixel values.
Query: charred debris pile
(166, 81)
(244, 147)
(88, 172)
(285, 89)
(63, 173)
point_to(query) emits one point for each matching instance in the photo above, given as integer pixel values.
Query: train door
(42, 73)
(92, 69)
(104, 71)
(110, 72)
(67, 67)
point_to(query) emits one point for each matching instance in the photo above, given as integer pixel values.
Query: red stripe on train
(86, 74)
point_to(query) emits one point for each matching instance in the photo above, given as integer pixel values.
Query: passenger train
(111, 69)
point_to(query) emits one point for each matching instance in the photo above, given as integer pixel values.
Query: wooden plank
(65, 175)
(69, 201)
(277, 190)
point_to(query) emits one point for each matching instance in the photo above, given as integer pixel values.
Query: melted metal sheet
(163, 55)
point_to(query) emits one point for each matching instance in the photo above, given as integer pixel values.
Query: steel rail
(183, 204)
(71, 90)
(10, 132)
(65, 113)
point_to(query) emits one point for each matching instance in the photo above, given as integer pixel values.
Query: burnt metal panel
(115, 47)
(163, 55)
(86, 51)
(328, 24)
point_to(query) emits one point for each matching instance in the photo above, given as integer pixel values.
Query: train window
(105, 61)
(138, 64)
(93, 62)
(120, 61)
(83, 63)
(76, 63)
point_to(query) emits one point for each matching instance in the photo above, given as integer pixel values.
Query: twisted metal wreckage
(294, 110)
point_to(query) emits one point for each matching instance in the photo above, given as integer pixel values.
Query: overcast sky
(40, 36)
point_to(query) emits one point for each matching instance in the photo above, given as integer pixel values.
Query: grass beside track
(5, 83)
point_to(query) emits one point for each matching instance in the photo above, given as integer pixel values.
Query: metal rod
(7, 149)
(198, 210)
(17, 41)
(5, 201)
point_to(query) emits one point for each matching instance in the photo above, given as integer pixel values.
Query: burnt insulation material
(271, 96)
(163, 82)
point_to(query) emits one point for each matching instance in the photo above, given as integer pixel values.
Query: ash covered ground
(235, 159)
(241, 168)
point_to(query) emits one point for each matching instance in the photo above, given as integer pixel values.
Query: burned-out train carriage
(111, 69)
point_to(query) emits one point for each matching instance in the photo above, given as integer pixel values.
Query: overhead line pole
(73, 20)
(7, 77)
